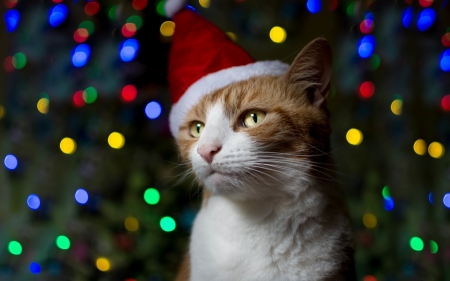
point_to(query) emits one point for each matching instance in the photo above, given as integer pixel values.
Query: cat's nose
(207, 151)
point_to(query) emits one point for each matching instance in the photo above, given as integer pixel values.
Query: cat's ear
(311, 70)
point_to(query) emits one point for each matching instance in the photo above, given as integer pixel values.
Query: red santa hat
(204, 59)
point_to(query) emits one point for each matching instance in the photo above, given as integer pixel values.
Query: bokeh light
(12, 18)
(129, 29)
(434, 248)
(446, 39)
(19, 60)
(131, 224)
(366, 46)
(35, 268)
(88, 25)
(139, 4)
(354, 136)
(137, 20)
(167, 28)
(204, 3)
(332, 5)
(63, 242)
(366, 26)
(81, 196)
(314, 6)
(426, 19)
(388, 203)
(128, 49)
(367, 89)
(43, 105)
(91, 8)
(446, 200)
(167, 224)
(80, 35)
(10, 162)
(420, 147)
(396, 107)
(57, 15)
(80, 55)
(278, 34)
(15, 248)
(103, 264)
(151, 196)
(10, 3)
(153, 110)
(369, 220)
(231, 35)
(444, 61)
(374, 62)
(416, 244)
(33, 201)
(68, 145)
(445, 103)
(112, 13)
(436, 150)
(129, 93)
(385, 191)
(431, 197)
(8, 65)
(426, 3)
(77, 99)
(160, 8)
(369, 278)
(116, 140)
(90, 95)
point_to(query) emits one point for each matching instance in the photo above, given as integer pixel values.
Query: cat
(271, 210)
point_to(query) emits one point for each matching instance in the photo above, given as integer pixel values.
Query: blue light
(33, 201)
(12, 18)
(426, 19)
(446, 200)
(128, 49)
(388, 203)
(366, 46)
(430, 197)
(445, 60)
(57, 15)
(81, 196)
(80, 55)
(153, 110)
(314, 6)
(407, 17)
(10, 162)
(35, 268)
(368, 16)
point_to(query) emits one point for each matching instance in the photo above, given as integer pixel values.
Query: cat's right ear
(311, 71)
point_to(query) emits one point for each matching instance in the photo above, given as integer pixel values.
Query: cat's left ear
(311, 71)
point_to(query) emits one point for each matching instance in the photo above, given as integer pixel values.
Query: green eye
(197, 128)
(252, 118)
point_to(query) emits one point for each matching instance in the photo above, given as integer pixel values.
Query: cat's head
(255, 138)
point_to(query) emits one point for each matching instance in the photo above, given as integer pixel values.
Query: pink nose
(208, 151)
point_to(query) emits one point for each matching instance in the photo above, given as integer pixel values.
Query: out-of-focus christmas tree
(88, 187)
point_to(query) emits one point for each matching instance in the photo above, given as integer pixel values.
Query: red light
(446, 39)
(367, 89)
(129, 93)
(91, 8)
(369, 278)
(408, 2)
(425, 3)
(10, 3)
(80, 35)
(8, 65)
(57, 1)
(446, 103)
(78, 99)
(130, 279)
(129, 29)
(139, 4)
(366, 26)
(333, 5)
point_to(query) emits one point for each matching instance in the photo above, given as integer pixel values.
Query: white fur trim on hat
(217, 80)
(171, 7)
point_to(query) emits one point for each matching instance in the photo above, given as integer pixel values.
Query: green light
(398, 97)
(386, 192)
(45, 95)
(332, 91)
(63, 242)
(151, 196)
(15, 248)
(416, 244)
(88, 25)
(19, 60)
(433, 247)
(351, 9)
(167, 224)
(374, 62)
(137, 20)
(112, 13)
(160, 8)
(90, 95)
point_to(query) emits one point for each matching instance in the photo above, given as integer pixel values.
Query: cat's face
(256, 137)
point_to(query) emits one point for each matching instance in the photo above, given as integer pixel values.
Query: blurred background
(89, 182)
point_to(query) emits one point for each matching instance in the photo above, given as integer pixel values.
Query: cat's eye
(253, 117)
(197, 128)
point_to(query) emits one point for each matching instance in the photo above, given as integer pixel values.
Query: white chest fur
(236, 241)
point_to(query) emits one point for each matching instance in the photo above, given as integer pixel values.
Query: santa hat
(204, 59)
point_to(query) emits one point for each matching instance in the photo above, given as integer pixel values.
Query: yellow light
(42, 105)
(370, 220)
(116, 140)
(232, 36)
(420, 147)
(278, 34)
(131, 224)
(396, 107)
(436, 150)
(2, 112)
(167, 28)
(103, 264)
(204, 3)
(354, 136)
(68, 145)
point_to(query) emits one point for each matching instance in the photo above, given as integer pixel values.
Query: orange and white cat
(260, 149)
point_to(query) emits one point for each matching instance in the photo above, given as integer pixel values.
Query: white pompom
(173, 6)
